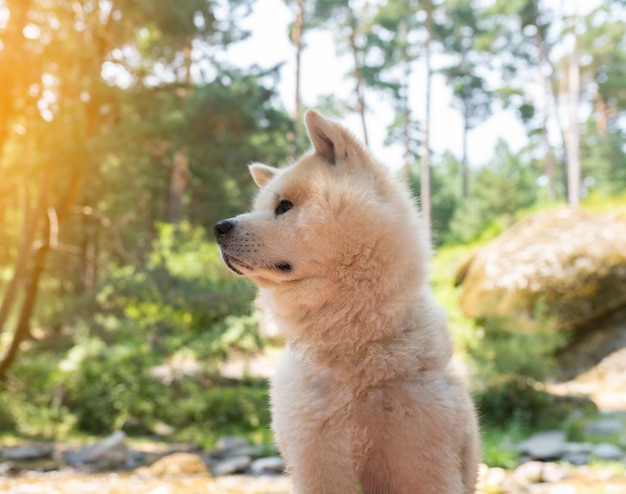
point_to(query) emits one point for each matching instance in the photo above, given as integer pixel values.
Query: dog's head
(333, 217)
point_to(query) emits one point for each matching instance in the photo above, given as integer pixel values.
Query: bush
(512, 357)
(117, 386)
(97, 371)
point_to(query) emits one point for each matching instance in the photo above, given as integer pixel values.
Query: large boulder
(569, 262)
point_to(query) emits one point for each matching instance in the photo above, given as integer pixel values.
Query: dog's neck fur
(386, 347)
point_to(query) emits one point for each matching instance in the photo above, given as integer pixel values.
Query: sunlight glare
(31, 31)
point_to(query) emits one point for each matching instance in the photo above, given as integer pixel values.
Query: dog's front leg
(311, 431)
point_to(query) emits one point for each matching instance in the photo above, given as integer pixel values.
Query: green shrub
(97, 372)
(7, 418)
(512, 357)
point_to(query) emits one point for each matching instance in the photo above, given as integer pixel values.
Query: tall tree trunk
(548, 156)
(464, 159)
(358, 76)
(22, 330)
(425, 185)
(296, 38)
(31, 222)
(178, 184)
(573, 133)
(404, 103)
(602, 115)
(180, 163)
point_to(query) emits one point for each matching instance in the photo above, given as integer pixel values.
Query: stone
(553, 473)
(232, 465)
(548, 261)
(10, 468)
(28, 452)
(268, 465)
(608, 452)
(529, 472)
(605, 427)
(175, 464)
(111, 452)
(544, 445)
(576, 458)
(228, 446)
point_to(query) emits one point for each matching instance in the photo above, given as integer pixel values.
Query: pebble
(544, 445)
(269, 465)
(529, 472)
(27, 452)
(607, 452)
(605, 427)
(232, 464)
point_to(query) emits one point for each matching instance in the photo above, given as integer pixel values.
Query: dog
(364, 399)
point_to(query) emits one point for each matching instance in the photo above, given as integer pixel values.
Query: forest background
(125, 135)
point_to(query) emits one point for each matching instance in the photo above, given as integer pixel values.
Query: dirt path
(125, 484)
(580, 481)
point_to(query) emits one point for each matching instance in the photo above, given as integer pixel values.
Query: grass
(499, 444)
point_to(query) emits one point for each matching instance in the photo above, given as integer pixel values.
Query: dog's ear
(261, 173)
(329, 139)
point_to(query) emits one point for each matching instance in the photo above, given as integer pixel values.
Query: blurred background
(125, 131)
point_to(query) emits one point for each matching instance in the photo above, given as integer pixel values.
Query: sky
(326, 72)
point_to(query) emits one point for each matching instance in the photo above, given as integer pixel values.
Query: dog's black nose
(222, 228)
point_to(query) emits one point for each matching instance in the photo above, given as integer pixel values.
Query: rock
(28, 452)
(493, 477)
(544, 445)
(529, 472)
(605, 427)
(553, 473)
(577, 453)
(175, 464)
(232, 465)
(607, 452)
(571, 261)
(576, 458)
(537, 471)
(112, 452)
(268, 465)
(228, 446)
(9, 468)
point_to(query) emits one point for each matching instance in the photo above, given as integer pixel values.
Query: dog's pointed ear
(329, 139)
(261, 173)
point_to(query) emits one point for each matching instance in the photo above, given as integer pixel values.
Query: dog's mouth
(238, 266)
(285, 267)
(229, 261)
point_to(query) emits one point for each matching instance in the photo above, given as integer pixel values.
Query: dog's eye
(283, 207)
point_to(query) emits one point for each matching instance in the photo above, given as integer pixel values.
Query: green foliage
(511, 358)
(498, 443)
(182, 293)
(7, 417)
(117, 385)
(607, 163)
(499, 191)
(151, 352)
(508, 360)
